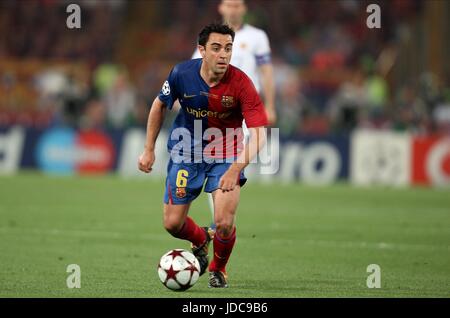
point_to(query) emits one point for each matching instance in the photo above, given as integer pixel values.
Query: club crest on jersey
(180, 193)
(227, 101)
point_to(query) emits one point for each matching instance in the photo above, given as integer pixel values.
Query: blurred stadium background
(334, 76)
(355, 105)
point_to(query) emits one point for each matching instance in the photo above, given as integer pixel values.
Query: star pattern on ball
(175, 253)
(191, 268)
(171, 273)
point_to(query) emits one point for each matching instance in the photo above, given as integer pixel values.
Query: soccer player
(215, 97)
(251, 54)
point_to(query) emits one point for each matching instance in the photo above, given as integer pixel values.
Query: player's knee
(173, 226)
(225, 229)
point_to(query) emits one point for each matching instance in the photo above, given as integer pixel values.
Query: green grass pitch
(293, 240)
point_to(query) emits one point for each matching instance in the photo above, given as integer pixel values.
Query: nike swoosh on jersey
(188, 96)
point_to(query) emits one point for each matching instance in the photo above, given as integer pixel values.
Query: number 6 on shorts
(182, 178)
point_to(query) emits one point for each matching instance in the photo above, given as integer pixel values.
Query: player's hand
(146, 161)
(229, 180)
(271, 116)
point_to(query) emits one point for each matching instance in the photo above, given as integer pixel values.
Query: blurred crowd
(332, 73)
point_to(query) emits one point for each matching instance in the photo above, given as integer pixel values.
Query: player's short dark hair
(203, 36)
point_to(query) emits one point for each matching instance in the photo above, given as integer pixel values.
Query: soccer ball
(178, 269)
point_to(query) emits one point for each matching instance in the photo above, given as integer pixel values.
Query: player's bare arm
(155, 120)
(255, 144)
(268, 86)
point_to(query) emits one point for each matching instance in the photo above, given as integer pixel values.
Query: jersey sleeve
(169, 91)
(252, 107)
(262, 51)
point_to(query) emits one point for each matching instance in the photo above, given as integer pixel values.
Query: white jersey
(250, 49)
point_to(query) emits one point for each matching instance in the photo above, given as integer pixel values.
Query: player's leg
(180, 225)
(225, 204)
(177, 222)
(183, 185)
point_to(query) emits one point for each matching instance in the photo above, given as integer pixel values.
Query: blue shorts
(185, 181)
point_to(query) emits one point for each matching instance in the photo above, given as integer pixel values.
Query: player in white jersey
(252, 54)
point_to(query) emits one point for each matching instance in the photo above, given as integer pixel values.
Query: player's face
(232, 11)
(217, 52)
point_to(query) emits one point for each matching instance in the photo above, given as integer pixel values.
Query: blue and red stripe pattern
(221, 107)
